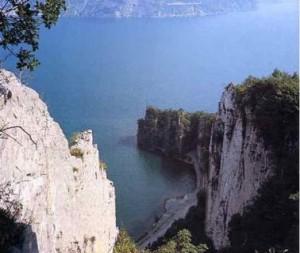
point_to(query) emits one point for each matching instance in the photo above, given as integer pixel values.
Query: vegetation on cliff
(180, 243)
(173, 133)
(272, 219)
(274, 106)
(125, 244)
(270, 222)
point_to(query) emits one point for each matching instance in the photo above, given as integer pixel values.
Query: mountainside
(53, 198)
(153, 8)
(172, 133)
(248, 152)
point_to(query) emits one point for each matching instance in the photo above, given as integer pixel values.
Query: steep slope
(252, 146)
(66, 200)
(239, 164)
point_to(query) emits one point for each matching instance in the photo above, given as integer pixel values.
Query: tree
(125, 244)
(20, 21)
(181, 243)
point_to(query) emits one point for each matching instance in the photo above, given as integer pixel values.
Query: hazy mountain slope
(153, 8)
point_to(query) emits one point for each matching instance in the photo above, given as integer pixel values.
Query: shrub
(77, 152)
(125, 244)
(181, 243)
(102, 165)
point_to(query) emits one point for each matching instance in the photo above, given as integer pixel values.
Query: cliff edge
(247, 154)
(62, 193)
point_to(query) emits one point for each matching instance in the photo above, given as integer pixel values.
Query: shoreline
(175, 209)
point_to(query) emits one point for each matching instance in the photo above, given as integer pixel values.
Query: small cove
(100, 74)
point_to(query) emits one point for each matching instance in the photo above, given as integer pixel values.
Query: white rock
(239, 164)
(68, 201)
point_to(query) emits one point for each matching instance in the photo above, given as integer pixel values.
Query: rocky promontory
(54, 197)
(173, 133)
(248, 158)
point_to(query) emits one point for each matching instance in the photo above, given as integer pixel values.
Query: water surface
(100, 74)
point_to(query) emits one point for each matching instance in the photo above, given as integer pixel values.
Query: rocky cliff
(154, 8)
(62, 193)
(239, 163)
(174, 133)
(252, 140)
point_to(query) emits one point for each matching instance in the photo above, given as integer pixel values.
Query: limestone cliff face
(66, 199)
(233, 159)
(239, 163)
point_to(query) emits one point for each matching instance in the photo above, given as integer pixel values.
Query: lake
(100, 74)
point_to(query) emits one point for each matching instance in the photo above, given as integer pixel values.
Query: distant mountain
(154, 8)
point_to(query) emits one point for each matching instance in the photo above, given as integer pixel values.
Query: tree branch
(4, 129)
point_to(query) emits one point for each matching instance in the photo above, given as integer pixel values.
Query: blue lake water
(101, 74)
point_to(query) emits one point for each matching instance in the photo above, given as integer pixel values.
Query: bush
(77, 152)
(181, 243)
(125, 244)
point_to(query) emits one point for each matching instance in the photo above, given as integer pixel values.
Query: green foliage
(193, 222)
(20, 22)
(274, 104)
(271, 104)
(172, 132)
(77, 152)
(272, 219)
(125, 244)
(181, 243)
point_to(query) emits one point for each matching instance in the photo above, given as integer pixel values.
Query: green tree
(182, 243)
(20, 22)
(125, 244)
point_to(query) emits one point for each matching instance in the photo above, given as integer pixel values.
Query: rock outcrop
(239, 163)
(182, 136)
(174, 133)
(65, 197)
(238, 150)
